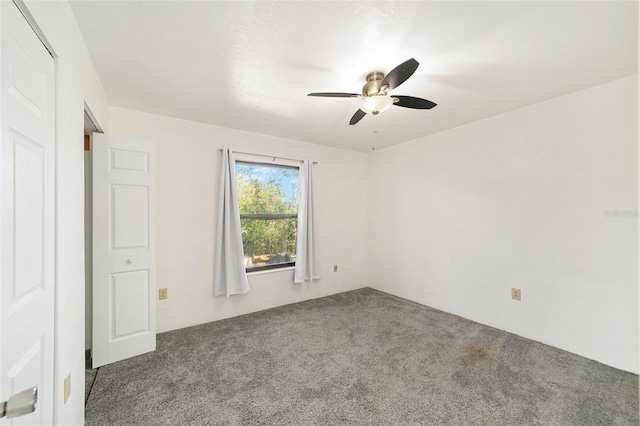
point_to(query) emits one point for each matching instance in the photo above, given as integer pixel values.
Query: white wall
(188, 171)
(520, 200)
(76, 82)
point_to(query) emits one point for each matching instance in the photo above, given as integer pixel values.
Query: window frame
(276, 163)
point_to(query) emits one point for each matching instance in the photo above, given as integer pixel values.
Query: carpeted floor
(362, 357)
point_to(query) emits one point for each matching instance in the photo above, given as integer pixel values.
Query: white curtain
(307, 262)
(229, 276)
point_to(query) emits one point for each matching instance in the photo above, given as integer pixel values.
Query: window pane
(269, 241)
(267, 189)
(266, 195)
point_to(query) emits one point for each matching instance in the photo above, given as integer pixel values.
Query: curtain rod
(270, 156)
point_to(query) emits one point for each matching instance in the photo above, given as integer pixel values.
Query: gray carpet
(362, 357)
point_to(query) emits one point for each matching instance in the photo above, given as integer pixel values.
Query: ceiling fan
(375, 97)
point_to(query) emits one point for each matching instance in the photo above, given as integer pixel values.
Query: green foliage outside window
(271, 191)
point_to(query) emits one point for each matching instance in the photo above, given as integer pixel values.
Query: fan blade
(400, 74)
(335, 95)
(357, 117)
(411, 102)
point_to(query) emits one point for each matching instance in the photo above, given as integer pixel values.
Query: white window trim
(269, 271)
(262, 159)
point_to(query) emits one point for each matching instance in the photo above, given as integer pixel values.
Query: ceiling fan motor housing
(373, 85)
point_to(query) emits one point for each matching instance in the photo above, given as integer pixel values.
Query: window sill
(270, 271)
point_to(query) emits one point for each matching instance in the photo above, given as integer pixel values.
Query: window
(268, 200)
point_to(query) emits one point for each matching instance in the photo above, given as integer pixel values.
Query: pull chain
(375, 131)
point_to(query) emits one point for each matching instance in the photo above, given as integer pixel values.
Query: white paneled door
(27, 215)
(124, 307)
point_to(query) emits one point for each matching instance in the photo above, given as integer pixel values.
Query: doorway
(90, 127)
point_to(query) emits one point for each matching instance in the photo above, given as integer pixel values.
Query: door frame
(91, 126)
(22, 7)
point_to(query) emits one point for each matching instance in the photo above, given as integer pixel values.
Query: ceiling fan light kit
(376, 104)
(375, 98)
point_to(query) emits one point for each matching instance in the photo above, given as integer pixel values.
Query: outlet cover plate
(516, 293)
(67, 388)
(163, 294)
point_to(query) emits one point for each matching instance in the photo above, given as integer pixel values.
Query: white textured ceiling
(249, 65)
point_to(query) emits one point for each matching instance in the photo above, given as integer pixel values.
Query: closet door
(124, 264)
(27, 218)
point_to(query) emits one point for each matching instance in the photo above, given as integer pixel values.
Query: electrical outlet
(67, 388)
(515, 293)
(163, 294)
(335, 268)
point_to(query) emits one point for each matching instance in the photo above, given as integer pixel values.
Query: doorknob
(20, 404)
(129, 261)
